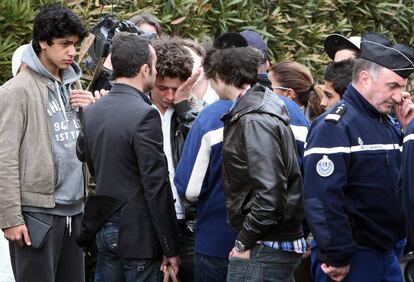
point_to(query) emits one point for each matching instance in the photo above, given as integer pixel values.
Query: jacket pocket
(69, 186)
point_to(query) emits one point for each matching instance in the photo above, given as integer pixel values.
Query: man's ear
(145, 70)
(43, 44)
(365, 78)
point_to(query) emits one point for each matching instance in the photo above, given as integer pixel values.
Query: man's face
(153, 71)
(148, 28)
(164, 91)
(344, 54)
(219, 87)
(330, 96)
(60, 54)
(385, 91)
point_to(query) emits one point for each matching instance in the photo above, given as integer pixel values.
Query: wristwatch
(239, 246)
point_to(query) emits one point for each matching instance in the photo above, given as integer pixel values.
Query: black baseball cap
(335, 42)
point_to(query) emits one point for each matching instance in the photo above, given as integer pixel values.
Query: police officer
(351, 163)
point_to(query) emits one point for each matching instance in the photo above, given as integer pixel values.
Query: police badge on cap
(378, 49)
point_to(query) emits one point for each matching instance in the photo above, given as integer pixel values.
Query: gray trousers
(59, 260)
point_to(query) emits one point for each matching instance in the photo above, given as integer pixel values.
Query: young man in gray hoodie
(41, 180)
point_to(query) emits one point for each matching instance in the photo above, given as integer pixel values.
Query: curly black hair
(235, 66)
(173, 60)
(56, 21)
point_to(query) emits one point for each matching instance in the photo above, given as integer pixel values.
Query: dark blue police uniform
(352, 164)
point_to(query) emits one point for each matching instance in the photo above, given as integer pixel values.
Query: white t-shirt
(166, 131)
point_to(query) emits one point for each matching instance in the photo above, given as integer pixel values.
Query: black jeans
(186, 241)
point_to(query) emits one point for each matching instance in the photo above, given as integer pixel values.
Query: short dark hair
(139, 19)
(56, 21)
(234, 66)
(129, 53)
(339, 74)
(173, 60)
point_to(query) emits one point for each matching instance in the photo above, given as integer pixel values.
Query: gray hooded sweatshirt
(64, 128)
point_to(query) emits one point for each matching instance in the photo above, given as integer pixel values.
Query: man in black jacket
(262, 181)
(121, 142)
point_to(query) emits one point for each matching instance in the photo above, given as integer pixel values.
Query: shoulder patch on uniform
(336, 113)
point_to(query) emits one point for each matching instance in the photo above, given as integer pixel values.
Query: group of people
(209, 163)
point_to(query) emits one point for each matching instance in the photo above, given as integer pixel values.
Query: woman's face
(280, 89)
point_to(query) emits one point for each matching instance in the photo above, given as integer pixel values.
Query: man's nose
(72, 50)
(397, 96)
(324, 102)
(171, 93)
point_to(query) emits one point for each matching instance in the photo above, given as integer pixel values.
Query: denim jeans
(265, 264)
(111, 268)
(210, 269)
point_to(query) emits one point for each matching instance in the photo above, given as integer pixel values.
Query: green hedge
(294, 30)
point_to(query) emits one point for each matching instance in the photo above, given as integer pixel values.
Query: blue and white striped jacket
(198, 178)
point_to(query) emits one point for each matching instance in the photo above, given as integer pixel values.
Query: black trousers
(59, 260)
(186, 241)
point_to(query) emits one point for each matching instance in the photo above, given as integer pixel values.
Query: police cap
(378, 49)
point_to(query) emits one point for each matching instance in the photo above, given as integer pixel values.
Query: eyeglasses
(280, 88)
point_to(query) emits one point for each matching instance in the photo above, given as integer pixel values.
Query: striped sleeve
(195, 160)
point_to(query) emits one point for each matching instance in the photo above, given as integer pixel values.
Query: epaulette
(336, 113)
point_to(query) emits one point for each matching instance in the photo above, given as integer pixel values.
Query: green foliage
(294, 30)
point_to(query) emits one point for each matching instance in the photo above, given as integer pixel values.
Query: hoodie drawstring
(69, 224)
(62, 106)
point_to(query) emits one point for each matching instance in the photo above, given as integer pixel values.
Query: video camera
(101, 47)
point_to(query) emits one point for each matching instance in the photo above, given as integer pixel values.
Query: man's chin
(386, 110)
(64, 66)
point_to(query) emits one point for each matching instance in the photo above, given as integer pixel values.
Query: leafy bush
(294, 30)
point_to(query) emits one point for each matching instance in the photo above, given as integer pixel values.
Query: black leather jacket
(183, 117)
(181, 121)
(262, 180)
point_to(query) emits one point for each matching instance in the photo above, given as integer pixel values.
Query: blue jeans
(210, 269)
(265, 264)
(111, 268)
(368, 265)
